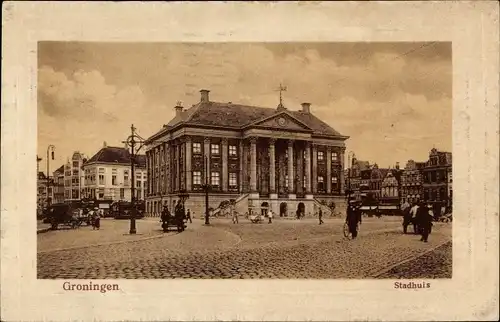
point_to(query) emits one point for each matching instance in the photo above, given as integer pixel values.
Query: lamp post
(51, 148)
(133, 140)
(350, 157)
(206, 188)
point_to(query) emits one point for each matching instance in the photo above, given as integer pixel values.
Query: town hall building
(260, 158)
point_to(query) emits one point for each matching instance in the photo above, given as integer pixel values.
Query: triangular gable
(282, 121)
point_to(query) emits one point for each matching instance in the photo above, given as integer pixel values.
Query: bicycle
(347, 231)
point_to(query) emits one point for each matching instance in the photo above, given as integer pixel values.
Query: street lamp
(51, 148)
(350, 157)
(206, 188)
(133, 140)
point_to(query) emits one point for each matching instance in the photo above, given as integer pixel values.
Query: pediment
(282, 121)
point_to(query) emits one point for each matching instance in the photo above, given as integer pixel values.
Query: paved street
(283, 249)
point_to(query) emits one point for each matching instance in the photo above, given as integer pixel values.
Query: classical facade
(260, 157)
(435, 173)
(411, 182)
(108, 175)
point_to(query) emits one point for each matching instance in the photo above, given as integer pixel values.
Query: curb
(42, 230)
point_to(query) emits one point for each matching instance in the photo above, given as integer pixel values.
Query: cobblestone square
(283, 249)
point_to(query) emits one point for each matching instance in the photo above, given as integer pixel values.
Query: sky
(392, 99)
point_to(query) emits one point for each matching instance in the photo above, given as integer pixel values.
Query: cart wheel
(347, 233)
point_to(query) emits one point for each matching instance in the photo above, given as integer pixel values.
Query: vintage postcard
(250, 161)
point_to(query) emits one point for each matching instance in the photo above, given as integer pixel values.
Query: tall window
(125, 177)
(196, 147)
(334, 181)
(214, 148)
(320, 156)
(215, 179)
(321, 183)
(232, 151)
(101, 176)
(196, 177)
(233, 181)
(138, 184)
(335, 157)
(75, 164)
(122, 193)
(75, 172)
(114, 177)
(286, 181)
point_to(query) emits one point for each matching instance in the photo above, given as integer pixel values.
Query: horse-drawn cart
(64, 214)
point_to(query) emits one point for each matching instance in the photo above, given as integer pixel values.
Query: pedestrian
(424, 220)
(189, 216)
(352, 219)
(320, 216)
(413, 217)
(406, 216)
(165, 217)
(270, 216)
(235, 217)
(97, 220)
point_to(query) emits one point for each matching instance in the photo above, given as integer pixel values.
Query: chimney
(204, 95)
(178, 109)
(104, 144)
(397, 165)
(306, 108)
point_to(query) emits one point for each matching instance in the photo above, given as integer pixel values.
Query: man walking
(320, 216)
(352, 219)
(424, 220)
(406, 216)
(188, 215)
(270, 216)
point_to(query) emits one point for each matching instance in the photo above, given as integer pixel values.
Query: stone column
(308, 170)
(291, 172)
(168, 173)
(328, 170)
(178, 166)
(206, 159)
(300, 170)
(189, 173)
(272, 168)
(242, 171)
(341, 174)
(225, 179)
(253, 165)
(315, 169)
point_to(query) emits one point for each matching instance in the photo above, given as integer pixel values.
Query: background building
(73, 177)
(260, 157)
(108, 175)
(391, 187)
(354, 179)
(58, 185)
(44, 191)
(412, 182)
(435, 173)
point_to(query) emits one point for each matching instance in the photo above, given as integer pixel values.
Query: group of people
(180, 214)
(419, 215)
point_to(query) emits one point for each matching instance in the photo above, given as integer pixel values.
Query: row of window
(233, 151)
(215, 149)
(233, 181)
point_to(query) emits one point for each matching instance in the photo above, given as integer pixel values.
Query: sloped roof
(117, 155)
(363, 165)
(237, 116)
(60, 169)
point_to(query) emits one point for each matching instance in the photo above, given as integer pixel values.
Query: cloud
(385, 96)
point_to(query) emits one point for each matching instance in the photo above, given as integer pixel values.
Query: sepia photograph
(301, 160)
